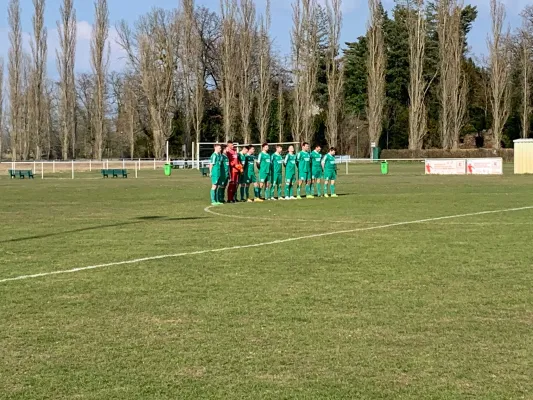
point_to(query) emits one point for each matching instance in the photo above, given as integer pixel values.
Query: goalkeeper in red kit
(235, 169)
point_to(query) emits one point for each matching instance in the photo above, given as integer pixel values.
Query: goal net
(204, 150)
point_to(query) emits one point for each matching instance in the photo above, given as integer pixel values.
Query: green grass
(436, 310)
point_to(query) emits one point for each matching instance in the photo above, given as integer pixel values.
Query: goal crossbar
(197, 147)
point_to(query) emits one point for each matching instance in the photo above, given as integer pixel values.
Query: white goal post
(202, 150)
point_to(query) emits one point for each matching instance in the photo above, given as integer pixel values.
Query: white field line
(209, 210)
(270, 243)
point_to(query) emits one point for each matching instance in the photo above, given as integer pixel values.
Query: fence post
(139, 164)
(198, 154)
(72, 169)
(135, 170)
(90, 165)
(34, 167)
(123, 164)
(54, 166)
(154, 164)
(347, 172)
(42, 170)
(192, 154)
(107, 164)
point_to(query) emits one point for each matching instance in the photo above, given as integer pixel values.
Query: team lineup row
(232, 169)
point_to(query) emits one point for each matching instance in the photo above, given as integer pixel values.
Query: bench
(21, 173)
(204, 171)
(114, 173)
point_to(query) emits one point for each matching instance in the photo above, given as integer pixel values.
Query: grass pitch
(440, 310)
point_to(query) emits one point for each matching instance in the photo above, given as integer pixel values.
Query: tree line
(197, 75)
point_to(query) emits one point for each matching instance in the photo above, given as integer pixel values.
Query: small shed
(523, 156)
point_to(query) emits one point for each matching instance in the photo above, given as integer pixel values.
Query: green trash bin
(384, 167)
(168, 169)
(376, 153)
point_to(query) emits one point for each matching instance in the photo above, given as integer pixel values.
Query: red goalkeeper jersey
(233, 160)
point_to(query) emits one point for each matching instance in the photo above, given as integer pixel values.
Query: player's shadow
(138, 220)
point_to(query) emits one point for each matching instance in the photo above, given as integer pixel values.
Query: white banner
(484, 166)
(442, 166)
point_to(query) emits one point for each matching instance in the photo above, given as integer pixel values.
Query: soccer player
(330, 172)
(243, 177)
(316, 171)
(290, 172)
(264, 165)
(277, 173)
(215, 169)
(224, 177)
(303, 160)
(251, 178)
(233, 172)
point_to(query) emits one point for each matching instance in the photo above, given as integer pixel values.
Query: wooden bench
(114, 173)
(21, 173)
(204, 171)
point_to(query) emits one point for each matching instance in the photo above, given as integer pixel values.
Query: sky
(355, 14)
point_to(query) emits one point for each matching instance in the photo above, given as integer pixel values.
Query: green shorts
(304, 175)
(247, 179)
(215, 179)
(277, 180)
(264, 177)
(330, 175)
(290, 178)
(317, 174)
(223, 181)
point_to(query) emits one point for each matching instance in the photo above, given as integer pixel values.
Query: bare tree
(65, 62)
(1, 107)
(264, 75)
(297, 44)
(418, 87)
(152, 55)
(281, 105)
(158, 43)
(27, 114)
(500, 71)
(304, 40)
(99, 63)
(39, 52)
(334, 72)
(526, 55)
(230, 64)
(311, 58)
(15, 75)
(130, 112)
(376, 71)
(453, 87)
(246, 31)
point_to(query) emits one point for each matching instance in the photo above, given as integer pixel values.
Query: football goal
(203, 150)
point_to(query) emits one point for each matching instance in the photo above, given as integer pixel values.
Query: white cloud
(83, 47)
(84, 32)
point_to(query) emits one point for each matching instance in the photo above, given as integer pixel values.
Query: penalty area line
(261, 244)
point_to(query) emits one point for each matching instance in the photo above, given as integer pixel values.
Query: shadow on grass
(138, 220)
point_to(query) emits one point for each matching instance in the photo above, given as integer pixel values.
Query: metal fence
(72, 167)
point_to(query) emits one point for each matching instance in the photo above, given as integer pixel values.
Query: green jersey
(242, 160)
(290, 164)
(277, 164)
(264, 162)
(225, 166)
(316, 159)
(304, 161)
(329, 163)
(250, 165)
(216, 164)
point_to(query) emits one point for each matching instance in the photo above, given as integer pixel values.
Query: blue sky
(354, 24)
